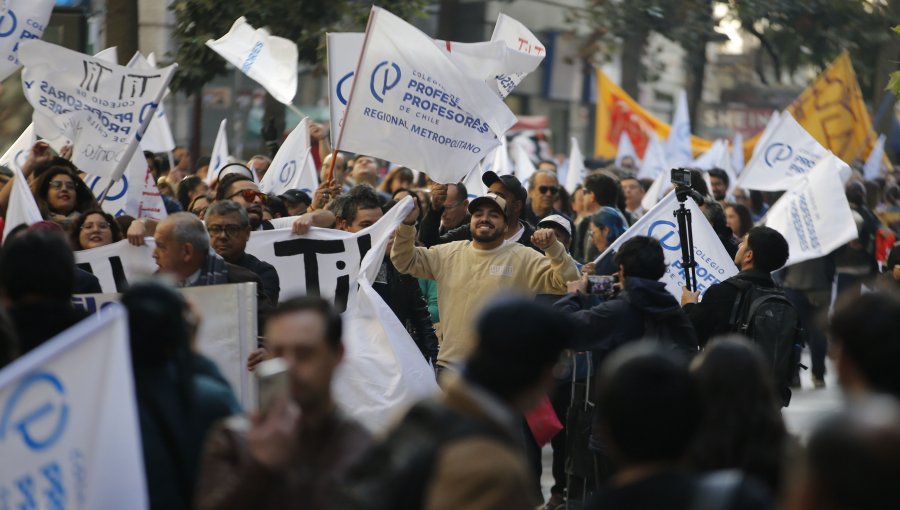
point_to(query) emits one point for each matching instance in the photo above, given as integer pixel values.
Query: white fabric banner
(737, 153)
(661, 185)
(474, 185)
(20, 20)
(717, 156)
(519, 39)
(220, 155)
(103, 108)
(69, 433)
(814, 216)
(135, 194)
(626, 150)
(678, 145)
(576, 172)
(269, 60)
(788, 154)
(497, 160)
(654, 162)
(17, 154)
(767, 133)
(158, 137)
(524, 167)
(116, 264)
(415, 107)
(872, 169)
(713, 262)
(22, 207)
(343, 51)
(293, 166)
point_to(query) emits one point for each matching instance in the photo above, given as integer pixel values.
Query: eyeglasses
(548, 189)
(229, 230)
(250, 194)
(454, 205)
(58, 185)
(99, 226)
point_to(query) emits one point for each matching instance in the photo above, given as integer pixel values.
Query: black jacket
(401, 293)
(430, 229)
(268, 276)
(712, 315)
(35, 323)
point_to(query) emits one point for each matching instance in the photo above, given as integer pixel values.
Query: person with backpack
(750, 303)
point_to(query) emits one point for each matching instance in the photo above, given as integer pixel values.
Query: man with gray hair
(229, 231)
(260, 165)
(543, 188)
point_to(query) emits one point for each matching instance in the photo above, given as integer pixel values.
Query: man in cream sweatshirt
(469, 273)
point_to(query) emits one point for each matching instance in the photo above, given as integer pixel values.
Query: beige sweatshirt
(467, 278)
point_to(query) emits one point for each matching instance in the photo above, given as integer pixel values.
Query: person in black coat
(402, 294)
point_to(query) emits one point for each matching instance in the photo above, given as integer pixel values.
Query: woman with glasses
(62, 196)
(94, 228)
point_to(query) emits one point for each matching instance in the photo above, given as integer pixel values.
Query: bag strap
(743, 288)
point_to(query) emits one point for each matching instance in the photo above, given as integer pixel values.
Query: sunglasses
(250, 194)
(228, 230)
(548, 189)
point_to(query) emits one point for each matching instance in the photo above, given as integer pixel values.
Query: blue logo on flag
(669, 230)
(41, 422)
(12, 17)
(339, 90)
(287, 171)
(778, 152)
(110, 196)
(385, 77)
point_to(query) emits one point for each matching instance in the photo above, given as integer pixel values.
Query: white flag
(103, 108)
(678, 145)
(21, 20)
(714, 265)
(269, 60)
(814, 216)
(158, 137)
(524, 167)
(69, 430)
(576, 172)
(135, 194)
(872, 170)
(21, 208)
(219, 157)
(719, 157)
(343, 56)
(415, 107)
(654, 162)
(293, 166)
(737, 153)
(497, 160)
(767, 133)
(474, 185)
(520, 39)
(788, 154)
(626, 150)
(661, 185)
(118, 263)
(16, 155)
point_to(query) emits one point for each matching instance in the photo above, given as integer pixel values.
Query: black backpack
(767, 317)
(395, 473)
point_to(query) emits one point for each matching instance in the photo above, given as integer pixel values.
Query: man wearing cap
(471, 272)
(513, 194)
(562, 226)
(296, 202)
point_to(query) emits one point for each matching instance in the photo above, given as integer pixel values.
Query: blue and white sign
(21, 20)
(713, 262)
(69, 437)
(678, 145)
(16, 155)
(293, 166)
(135, 194)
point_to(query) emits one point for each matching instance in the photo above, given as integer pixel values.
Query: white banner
(519, 39)
(69, 431)
(227, 334)
(678, 145)
(219, 157)
(269, 60)
(524, 167)
(293, 166)
(158, 137)
(116, 264)
(22, 207)
(135, 194)
(737, 153)
(343, 50)
(101, 107)
(814, 216)
(654, 163)
(21, 20)
(626, 150)
(713, 262)
(788, 154)
(474, 184)
(16, 155)
(767, 133)
(497, 160)
(415, 107)
(576, 171)
(872, 169)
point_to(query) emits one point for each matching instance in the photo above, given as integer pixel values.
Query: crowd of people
(661, 402)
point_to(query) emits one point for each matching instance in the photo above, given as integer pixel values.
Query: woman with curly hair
(62, 196)
(94, 228)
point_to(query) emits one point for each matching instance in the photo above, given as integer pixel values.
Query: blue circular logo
(111, 195)
(385, 77)
(287, 172)
(339, 89)
(13, 23)
(665, 231)
(36, 410)
(777, 152)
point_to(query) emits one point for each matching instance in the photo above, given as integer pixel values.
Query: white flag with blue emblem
(69, 434)
(135, 194)
(269, 60)
(293, 166)
(520, 40)
(103, 108)
(20, 20)
(219, 157)
(713, 262)
(767, 133)
(678, 145)
(16, 155)
(412, 105)
(788, 154)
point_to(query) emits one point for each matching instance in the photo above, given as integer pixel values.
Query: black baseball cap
(295, 196)
(509, 182)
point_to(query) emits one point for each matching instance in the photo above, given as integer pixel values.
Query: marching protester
(190, 188)
(296, 201)
(606, 226)
(299, 450)
(720, 181)
(738, 219)
(62, 196)
(94, 228)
